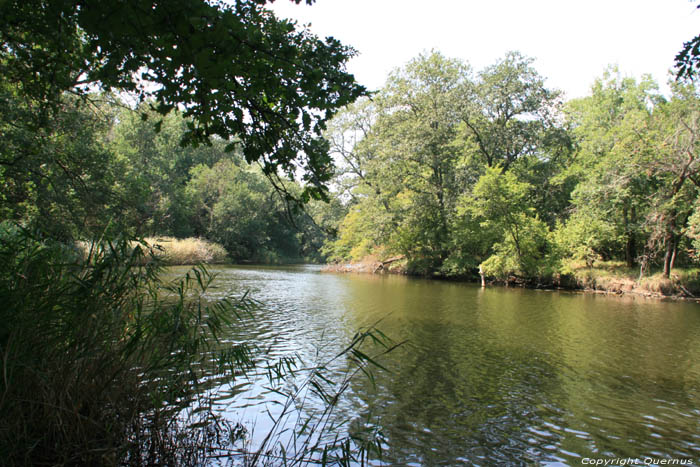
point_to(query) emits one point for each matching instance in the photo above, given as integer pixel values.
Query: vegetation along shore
(458, 172)
(610, 277)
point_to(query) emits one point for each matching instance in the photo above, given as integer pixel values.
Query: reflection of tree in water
(456, 397)
(532, 377)
(487, 376)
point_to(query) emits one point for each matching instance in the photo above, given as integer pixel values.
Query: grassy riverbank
(371, 264)
(193, 250)
(616, 277)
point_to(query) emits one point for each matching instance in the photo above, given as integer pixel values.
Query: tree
(56, 177)
(501, 202)
(399, 163)
(235, 207)
(638, 169)
(424, 142)
(154, 170)
(613, 131)
(509, 112)
(416, 129)
(348, 135)
(675, 167)
(233, 70)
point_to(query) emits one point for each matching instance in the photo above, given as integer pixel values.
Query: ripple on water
(491, 376)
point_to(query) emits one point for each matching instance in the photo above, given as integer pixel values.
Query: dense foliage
(208, 82)
(107, 170)
(459, 170)
(235, 70)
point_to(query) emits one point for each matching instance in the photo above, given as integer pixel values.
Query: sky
(572, 41)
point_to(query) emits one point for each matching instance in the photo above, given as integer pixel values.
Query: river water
(491, 376)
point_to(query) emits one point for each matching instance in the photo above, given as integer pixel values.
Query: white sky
(572, 40)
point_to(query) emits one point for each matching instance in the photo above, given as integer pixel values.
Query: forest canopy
(114, 112)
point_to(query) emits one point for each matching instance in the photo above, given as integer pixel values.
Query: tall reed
(98, 355)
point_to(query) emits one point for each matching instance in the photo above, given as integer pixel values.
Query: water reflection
(491, 376)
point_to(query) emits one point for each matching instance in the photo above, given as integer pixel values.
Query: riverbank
(193, 250)
(189, 251)
(614, 277)
(606, 277)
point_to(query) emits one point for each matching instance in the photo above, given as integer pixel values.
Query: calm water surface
(487, 377)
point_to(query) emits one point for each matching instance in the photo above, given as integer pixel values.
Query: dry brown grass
(659, 284)
(174, 251)
(188, 250)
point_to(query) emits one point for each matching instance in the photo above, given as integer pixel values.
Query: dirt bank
(371, 265)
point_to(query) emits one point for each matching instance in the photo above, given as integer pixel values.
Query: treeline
(101, 167)
(452, 168)
(458, 170)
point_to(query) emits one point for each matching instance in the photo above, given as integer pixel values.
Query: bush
(585, 237)
(532, 257)
(173, 251)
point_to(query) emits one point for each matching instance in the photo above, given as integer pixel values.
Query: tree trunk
(670, 255)
(642, 266)
(631, 243)
(675, 250)
(670, 247)
(630, 250)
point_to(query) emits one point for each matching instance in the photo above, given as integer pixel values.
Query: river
(485, 376)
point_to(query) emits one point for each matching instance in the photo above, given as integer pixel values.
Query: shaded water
(488, 376)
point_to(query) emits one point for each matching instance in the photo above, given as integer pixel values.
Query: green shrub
(531, 257)
(584, 238)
